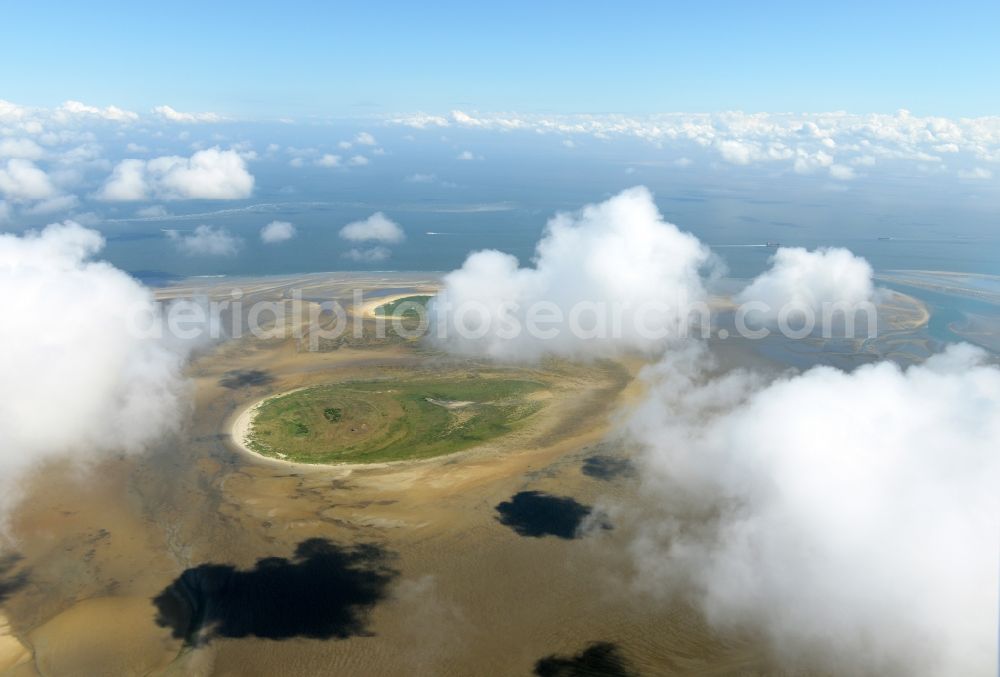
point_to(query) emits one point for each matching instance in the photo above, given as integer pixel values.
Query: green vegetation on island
(378, 421)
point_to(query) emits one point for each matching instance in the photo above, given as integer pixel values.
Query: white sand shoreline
(368, 309)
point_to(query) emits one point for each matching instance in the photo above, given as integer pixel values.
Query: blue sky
(181, 130)
(317, 59)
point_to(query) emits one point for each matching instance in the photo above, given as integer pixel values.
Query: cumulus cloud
(806, 162)
(168, 113)
(152, 212)
(359, 161)
(211, 174)
(127, 182)
(841, 172)
(377, 227)
(465, 155)
(736, 152)
(52, 205)
(812, 282)
(76, 355)
(277, 231)
(420, 121)
(849, 517)
(980, 173)
(11, 112)
(612, 277)
(803, 143)
(368, 255)
(365, 139)
(206, 241)
(328, 160)
(22, 180)
(76, 109)
(21, 148)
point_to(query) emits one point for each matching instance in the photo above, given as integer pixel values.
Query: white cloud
(420, 121)
(806, 163)
(504, 123)
(53, 205)
(737, 152)
(135, 148)
(168, 113)
(328, 160)
(112, 387)
(365, 139)
(85, 153)
(465, 119)
(75, 109)
(359, 161)
(849, 517)
(206, 241)
(808, 280)
(211, 174)
(377, 227)
(12, 112)
(369, 255)
(980, 173)
(152, 212)
(841, 172)
(801, 142)
(21, 148)
(616, 258)
(277, 231)
(127, 182)
(465, 155)
(21, 180)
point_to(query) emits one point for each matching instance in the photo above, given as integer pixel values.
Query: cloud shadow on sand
(599, 659)
(11, 582)
(324, 591)
(245, 378)
(607, 467)
(537, 514)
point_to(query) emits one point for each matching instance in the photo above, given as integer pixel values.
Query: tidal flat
(201, 558)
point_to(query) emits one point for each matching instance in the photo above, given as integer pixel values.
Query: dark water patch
(599, 659)
(537, 514)
(323, 591)
(245, 378)
(607, 467)
(11, 580)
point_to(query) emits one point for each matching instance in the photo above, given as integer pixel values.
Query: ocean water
(502, 200)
